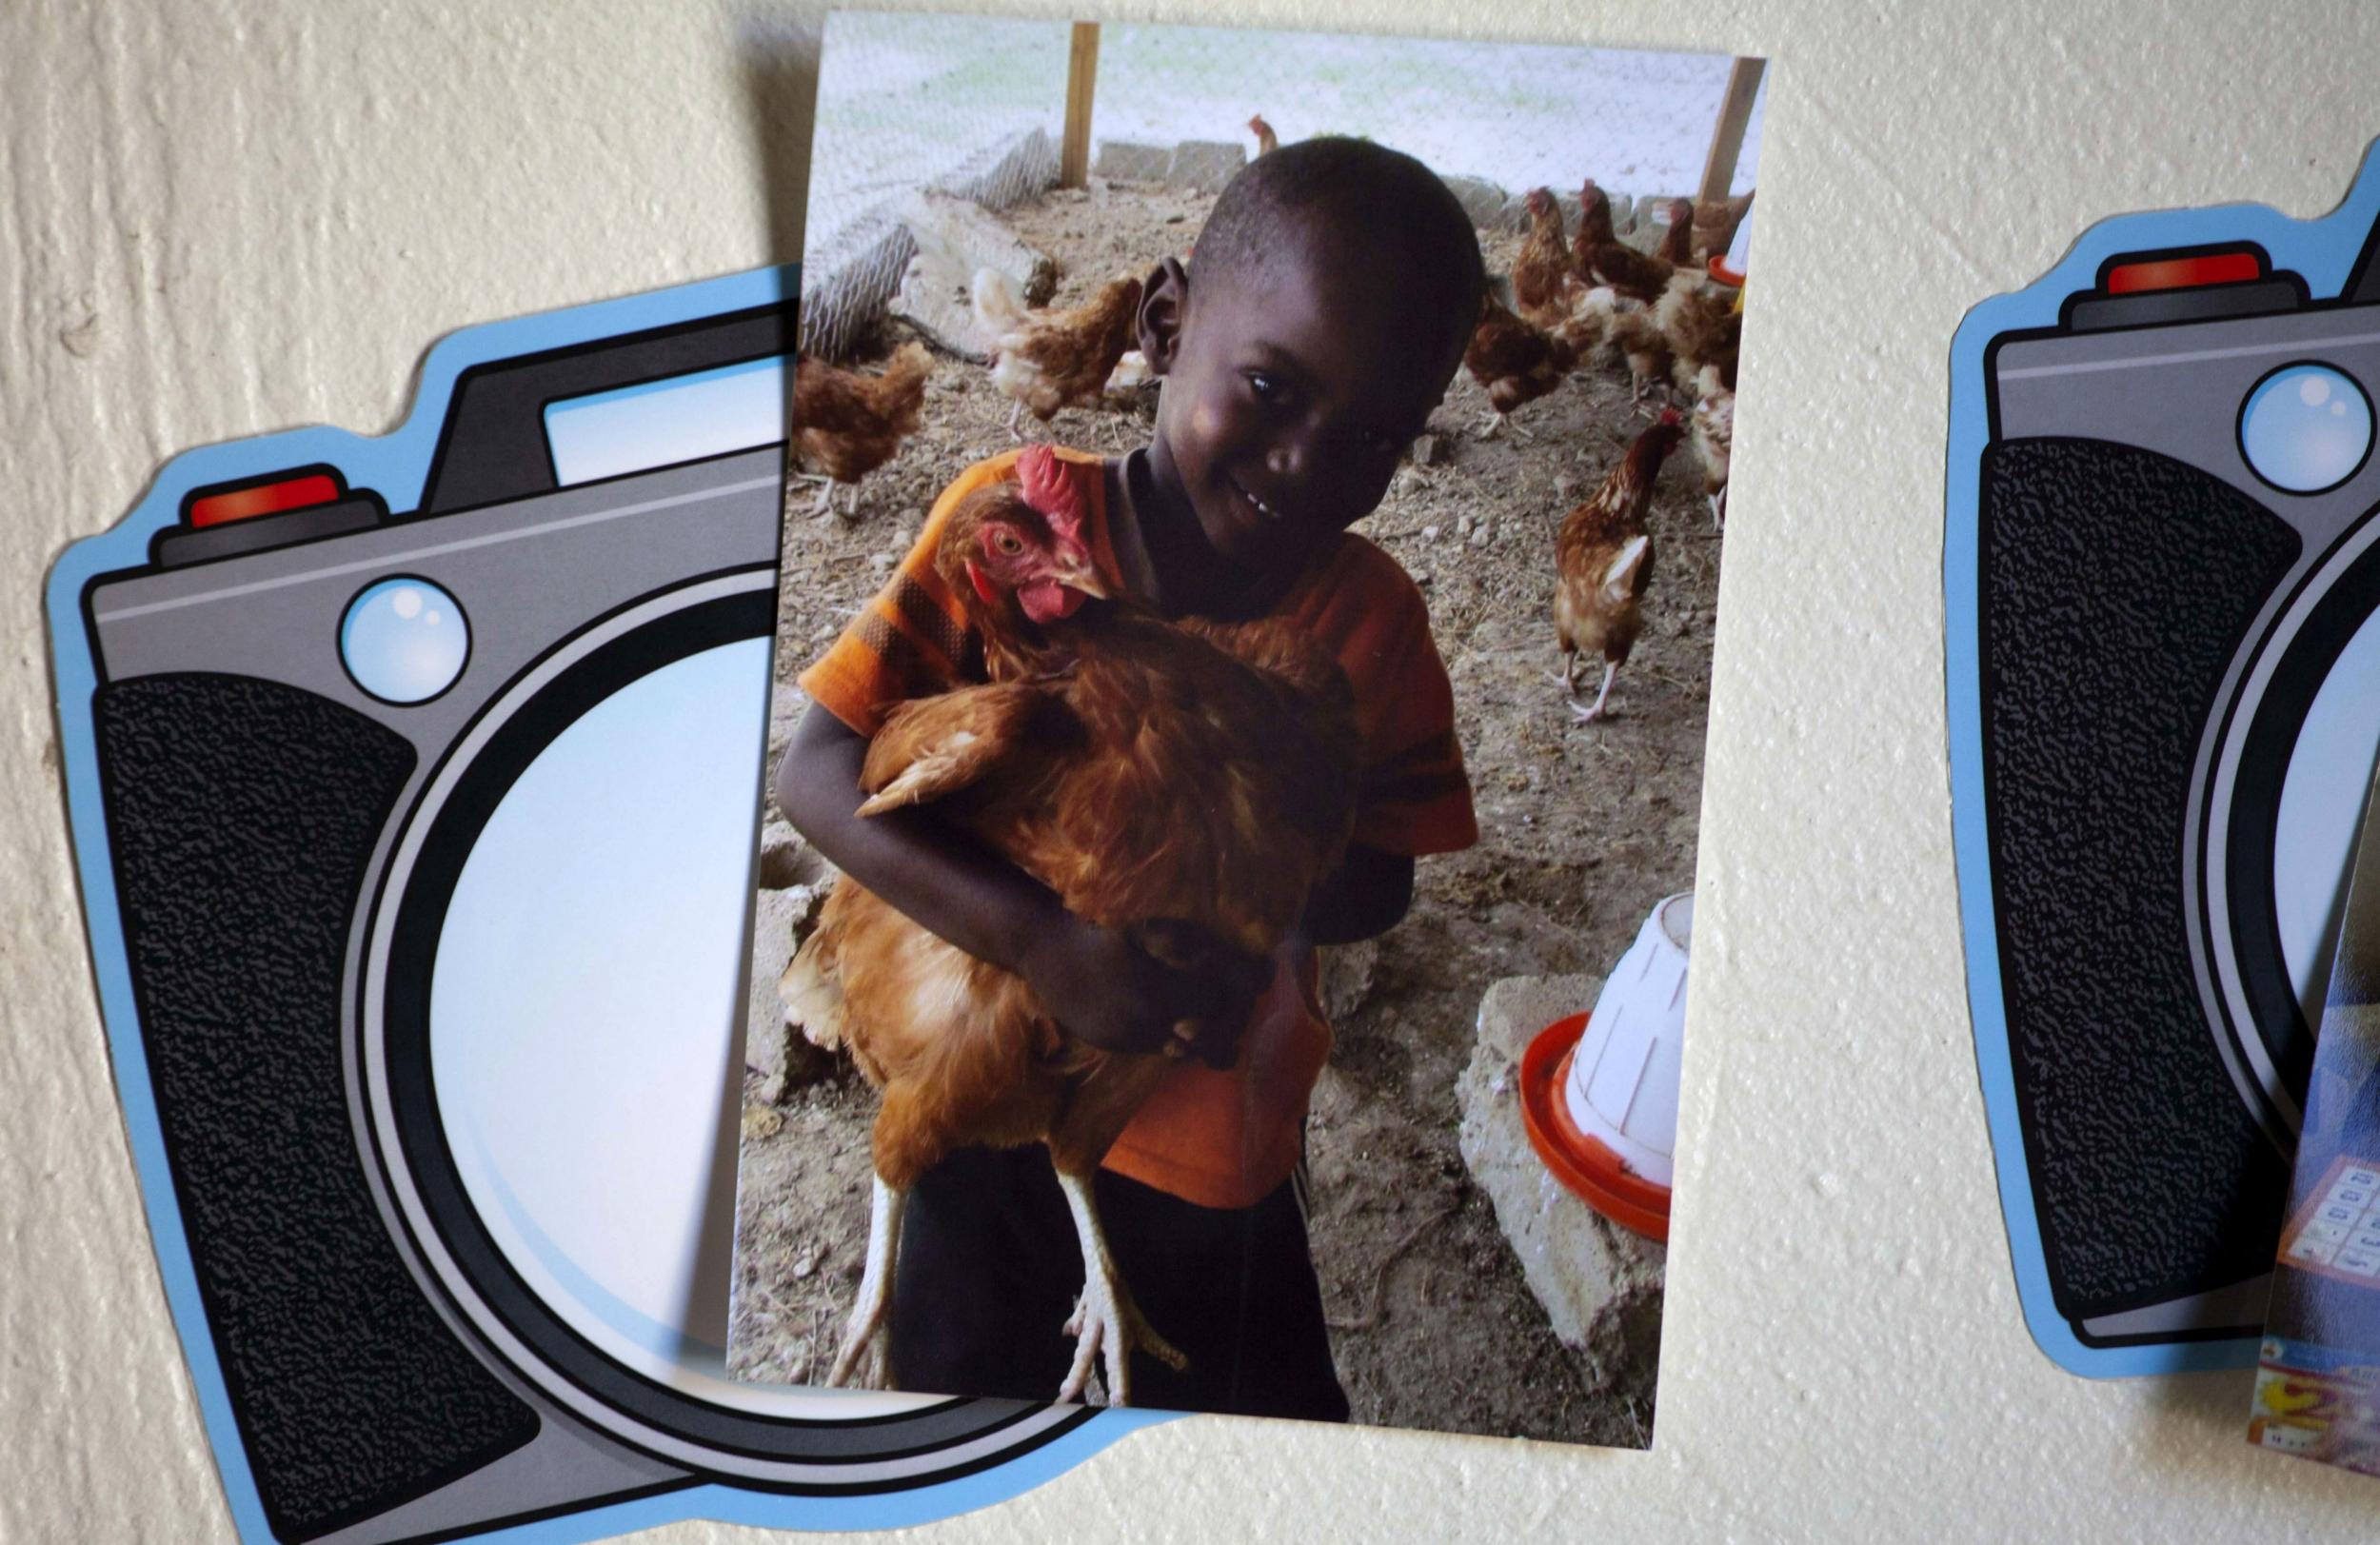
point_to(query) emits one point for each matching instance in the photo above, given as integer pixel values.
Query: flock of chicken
(1572, 300)
(1575, 298)
(847, 424)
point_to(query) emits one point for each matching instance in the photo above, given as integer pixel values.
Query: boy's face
(1291, 391)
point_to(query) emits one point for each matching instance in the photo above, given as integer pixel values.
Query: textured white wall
(218, 217)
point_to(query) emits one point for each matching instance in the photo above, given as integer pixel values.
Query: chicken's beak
(1077, 572)
(1084, 579)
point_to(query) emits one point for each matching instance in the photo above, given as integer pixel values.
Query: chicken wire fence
(1512, 114)
(911, 103)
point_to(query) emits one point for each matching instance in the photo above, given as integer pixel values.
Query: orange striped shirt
(1216, 1138)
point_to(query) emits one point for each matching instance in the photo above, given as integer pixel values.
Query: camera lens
(404, 639)
(2306, 428)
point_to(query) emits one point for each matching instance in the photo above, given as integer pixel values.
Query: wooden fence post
(1727, 142)
(1082, 64)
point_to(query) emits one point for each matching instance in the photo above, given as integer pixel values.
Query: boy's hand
(1107, 990)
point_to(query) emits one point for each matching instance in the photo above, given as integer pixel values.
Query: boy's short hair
(1383, 196)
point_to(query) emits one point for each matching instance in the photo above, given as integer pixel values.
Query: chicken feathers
(1052, 359)
(1603, 561)
(847, 424)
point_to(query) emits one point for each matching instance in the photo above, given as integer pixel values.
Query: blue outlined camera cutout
(2161, 570)
(339, 716)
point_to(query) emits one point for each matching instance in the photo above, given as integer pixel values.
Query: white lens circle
(2306, 428)
(404, 639)
(583, 1008)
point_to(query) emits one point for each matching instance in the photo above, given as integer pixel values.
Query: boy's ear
(1163, 299)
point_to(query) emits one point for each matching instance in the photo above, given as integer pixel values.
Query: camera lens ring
(933, 1441)
(2337, 595)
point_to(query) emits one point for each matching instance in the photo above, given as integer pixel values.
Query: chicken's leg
(1499, 421)
(867, 1334)
(1567, 678)
(826, 489)
(1016, 410)
(1106, 1324)
(1591, 715)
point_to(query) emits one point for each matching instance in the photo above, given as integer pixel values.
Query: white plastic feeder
(1622, 1085)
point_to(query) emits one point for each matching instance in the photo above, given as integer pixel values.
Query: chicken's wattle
(1049, 600)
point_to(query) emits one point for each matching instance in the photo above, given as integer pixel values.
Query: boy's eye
(1266, 387)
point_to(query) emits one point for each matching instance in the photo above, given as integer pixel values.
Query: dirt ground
(1582, 828)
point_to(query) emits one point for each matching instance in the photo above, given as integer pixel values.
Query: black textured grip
(241, 814)
(2116, 586)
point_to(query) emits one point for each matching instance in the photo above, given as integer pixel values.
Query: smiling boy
(1324, 314)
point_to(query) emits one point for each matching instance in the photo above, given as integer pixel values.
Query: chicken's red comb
(1671, 418)
(1048, 486)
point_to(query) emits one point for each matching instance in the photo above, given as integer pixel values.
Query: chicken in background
(1191, 784)
(1545, 280)
(1266, 140)
(1514, 362)
(1595, 222)
(1722, 226)
(1603, 562)
(847, 424)
(1052, 359)
(1700, 327)
(1678, 241)
(1714, 438)
(1604, 259)
(1636, 331)
(1131, 376)
(1593, 322)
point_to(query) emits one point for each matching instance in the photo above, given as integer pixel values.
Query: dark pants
(990, 1270)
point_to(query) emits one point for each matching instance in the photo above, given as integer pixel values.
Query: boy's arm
(1368, 895)
(1102, 987)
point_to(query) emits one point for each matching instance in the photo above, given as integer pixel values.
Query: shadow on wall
(778, 57)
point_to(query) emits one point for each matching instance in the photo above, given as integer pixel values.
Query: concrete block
(1205, 165)
(1483, 201)
(954, 238)
(773, 1048)
(1601, 1284)
(1127, 160)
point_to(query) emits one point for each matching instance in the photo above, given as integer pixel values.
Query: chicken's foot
(867, 1337)
(826, 490)
(1718, 509)
(1494, 426)
(1016, 410)
(1106, 1326)
(1588, 716)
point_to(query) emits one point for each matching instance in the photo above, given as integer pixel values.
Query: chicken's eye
(1006, 544)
